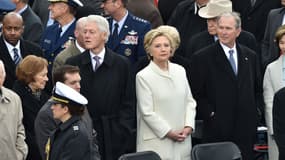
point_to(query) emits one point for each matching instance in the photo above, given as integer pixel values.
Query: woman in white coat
(165, 107)
(274, 79)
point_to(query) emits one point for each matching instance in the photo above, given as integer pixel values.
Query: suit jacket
(225, 101)
(254, 17)
(278, 121)
(33, 26)
(269, 50)
(157, 94)
(271, 84)
(40, 7)
(31, 106)
(111, 104)
(131, 36)
(145, 9)
(60, 59)
(204, 39)
(10, 67)
(187, 23)
(166, 8)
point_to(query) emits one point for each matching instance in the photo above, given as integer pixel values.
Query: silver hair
(101, 22)
(81, 22)
(235, 15)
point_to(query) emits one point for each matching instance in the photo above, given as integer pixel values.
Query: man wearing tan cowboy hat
(210, 12)
(56, 35)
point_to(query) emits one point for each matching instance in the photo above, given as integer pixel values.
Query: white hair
(101, 22)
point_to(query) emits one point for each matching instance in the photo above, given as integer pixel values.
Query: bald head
(12, 27)
(2, 73)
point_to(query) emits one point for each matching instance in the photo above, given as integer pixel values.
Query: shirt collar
(10, 47)
(101, 54)
(79, 47)
(226, 48)
(120, 23)
(65, 27)
(23, 9)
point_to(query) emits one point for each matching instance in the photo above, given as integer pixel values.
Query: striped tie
(16, 57)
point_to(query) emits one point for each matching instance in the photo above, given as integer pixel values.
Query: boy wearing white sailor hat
(70, 139)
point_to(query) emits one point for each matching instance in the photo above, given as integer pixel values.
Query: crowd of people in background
(96, 79)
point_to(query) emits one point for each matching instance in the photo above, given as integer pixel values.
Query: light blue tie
(232, 61)
(16, 57)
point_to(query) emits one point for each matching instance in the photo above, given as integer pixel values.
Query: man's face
(73, 81)
(212, 26)
(227, 31)
(93, 37)
(12, 29)
(57, 9)
(109, 6)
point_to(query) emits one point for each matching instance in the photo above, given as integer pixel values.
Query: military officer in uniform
(70, 139)
(55, 36)
(127, 31)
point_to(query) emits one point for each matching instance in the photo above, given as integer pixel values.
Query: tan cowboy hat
(214, 8)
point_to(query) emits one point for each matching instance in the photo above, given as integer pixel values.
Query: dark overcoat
(31, 106)
(111, 103)
(231, 98)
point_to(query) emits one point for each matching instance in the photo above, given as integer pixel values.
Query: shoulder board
(139, 19)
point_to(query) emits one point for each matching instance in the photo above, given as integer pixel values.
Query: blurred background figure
(6, 6)
(274, 80)
(31, 80)
(12, 136)
(33, 25)
(162, 88)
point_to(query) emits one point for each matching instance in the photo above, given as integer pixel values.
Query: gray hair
(101, 23)
(2, 68)
(235, 15)
(80, 22)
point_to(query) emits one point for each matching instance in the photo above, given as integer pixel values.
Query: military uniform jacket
(70, 141)
(131, 36)
(53, 46)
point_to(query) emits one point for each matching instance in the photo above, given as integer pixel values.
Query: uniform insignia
(47, 41)
(75, 128)
(132, 32)
(128, 52)
(246, 58)
(125, 26)
(130, 40)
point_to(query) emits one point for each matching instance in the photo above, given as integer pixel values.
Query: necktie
(16, 57)
(96, 58)
(232, 61)
(115, 35)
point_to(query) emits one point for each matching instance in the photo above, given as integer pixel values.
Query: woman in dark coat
(31, 80)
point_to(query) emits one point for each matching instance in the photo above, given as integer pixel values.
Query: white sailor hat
(73, 3)
(66, 95)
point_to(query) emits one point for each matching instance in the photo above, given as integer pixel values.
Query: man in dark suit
(279, 121)
(106, 83)
(167, 7)
(254, 14)
(226, 84)
(145, 9)
(127, 31)
(203, 39)
(187, 21)
(269, 49)
(33, 26)
(12, 47)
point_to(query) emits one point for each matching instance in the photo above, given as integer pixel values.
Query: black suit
(233, 99)
(204, 39)
(10, 67)
(254, 17)
(110, 96)
(33, 26)
(166, 8)
(279, 121)
(187, 23)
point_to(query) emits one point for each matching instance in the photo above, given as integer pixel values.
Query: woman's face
(40, 80)
(282, 44)
(160, 49)
(58, 111)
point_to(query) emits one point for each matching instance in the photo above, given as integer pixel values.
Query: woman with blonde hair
(165, 106)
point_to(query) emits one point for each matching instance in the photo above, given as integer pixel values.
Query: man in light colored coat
(12, 135)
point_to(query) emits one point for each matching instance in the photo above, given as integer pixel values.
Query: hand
(176, 135)
(187, 131)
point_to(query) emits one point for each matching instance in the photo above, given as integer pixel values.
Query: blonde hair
(154, 33)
